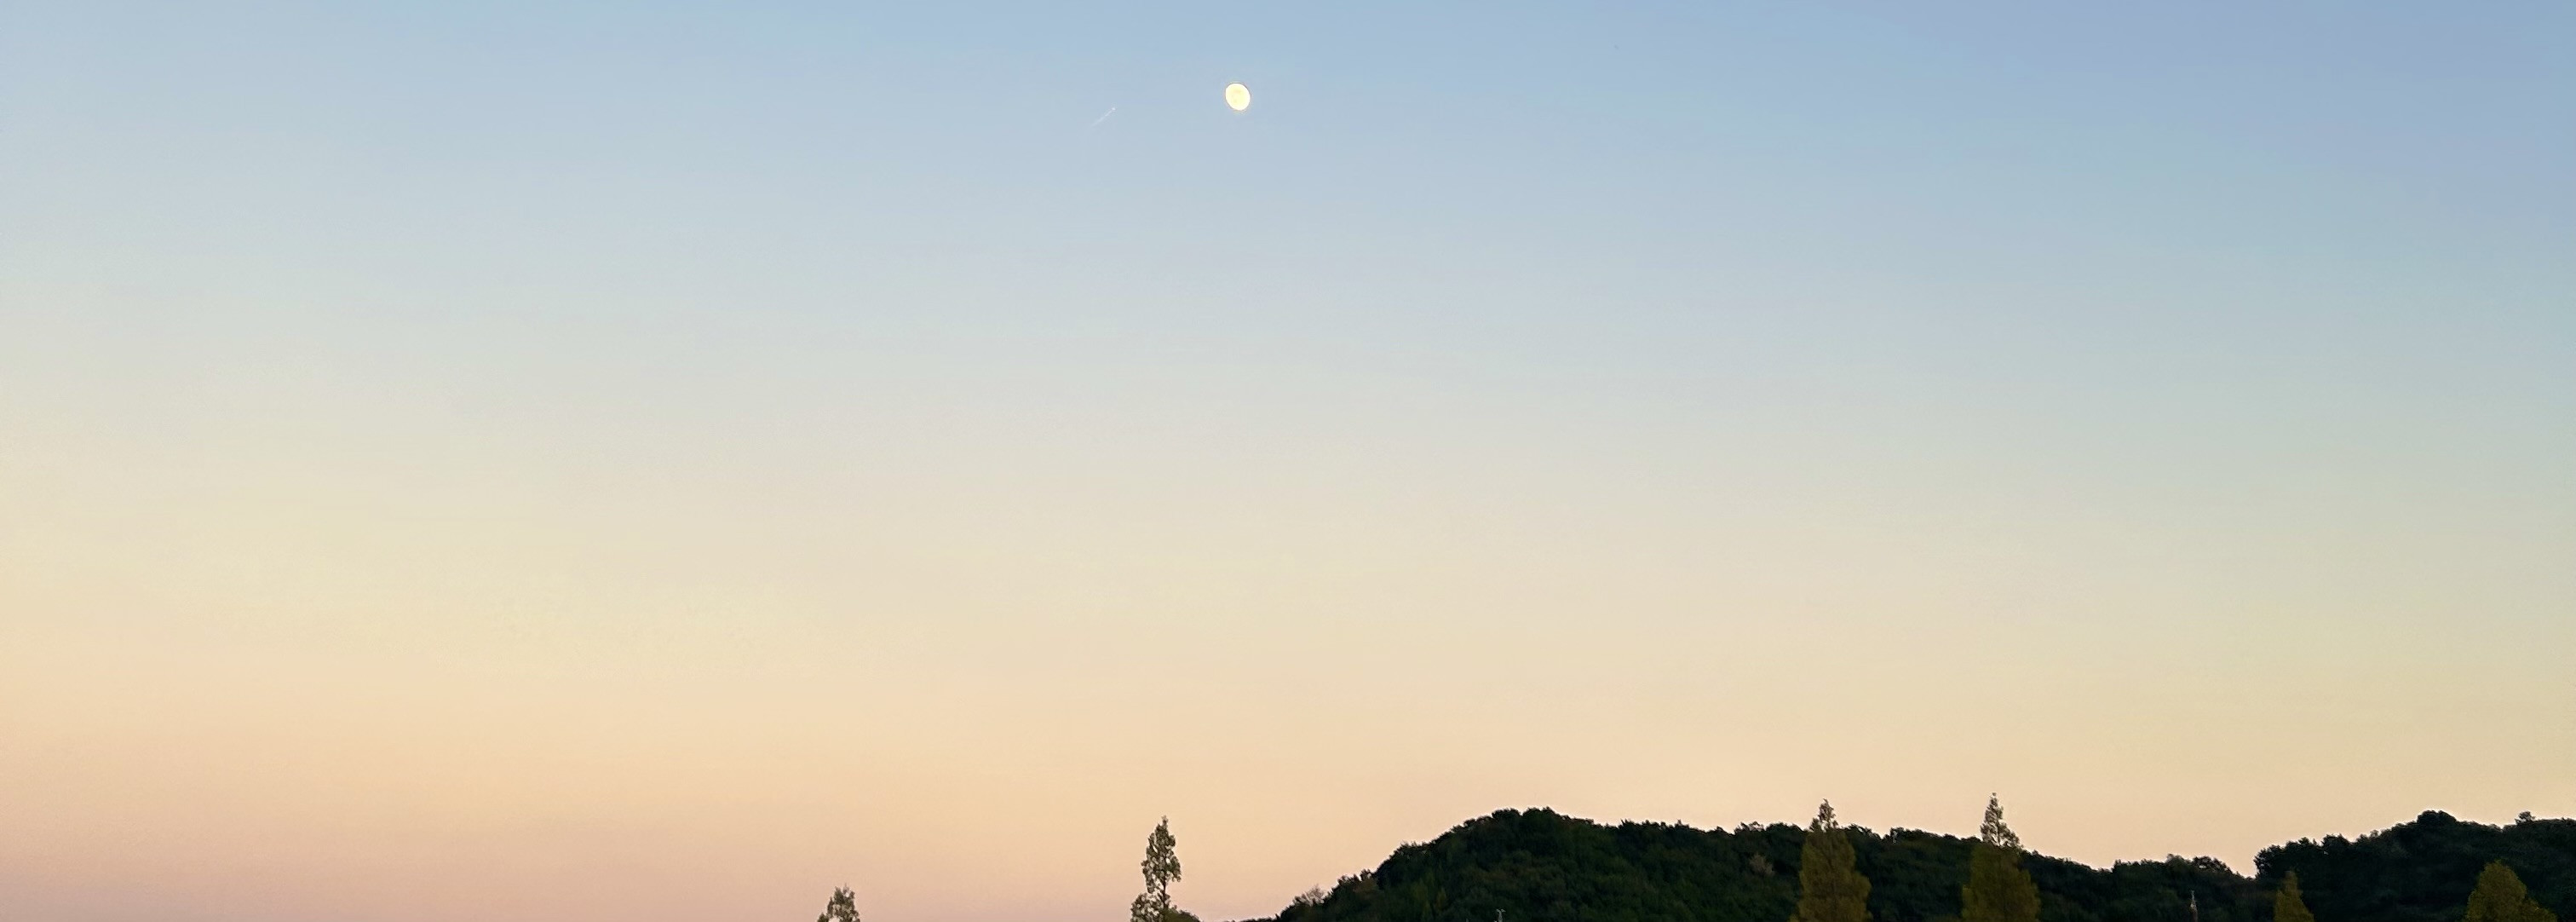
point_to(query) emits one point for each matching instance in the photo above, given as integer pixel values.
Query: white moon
(1238, 96)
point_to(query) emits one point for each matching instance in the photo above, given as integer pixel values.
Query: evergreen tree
(1998, 889)
(2287, 906)
(1162, 866)
(1830, 889)
(2500, 897)
(844, 907)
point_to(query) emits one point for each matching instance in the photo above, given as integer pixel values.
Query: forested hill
(2416, 872)
(1541, 866)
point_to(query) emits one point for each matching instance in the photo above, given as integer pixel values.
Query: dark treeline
(1541, 866)
(2420, 871)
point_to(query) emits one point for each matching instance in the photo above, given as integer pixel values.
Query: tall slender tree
(844, 907)
(1830, 889)
(2501, 897)
(2287, 906)
(1162, 866)
(1998, 889)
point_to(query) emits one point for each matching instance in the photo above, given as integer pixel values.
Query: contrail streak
(1095, 123)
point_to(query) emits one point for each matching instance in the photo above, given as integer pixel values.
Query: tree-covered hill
(2420, 871)
(1541, 866)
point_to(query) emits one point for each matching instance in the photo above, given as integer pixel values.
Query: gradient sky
(558, 461)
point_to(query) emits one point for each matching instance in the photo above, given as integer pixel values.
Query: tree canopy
(1162, 866)
(2286, 904)
(2501, 897)
(1541, 866)
(844, 907)
(1998, 890)
(2423, 871)
(1830, 889)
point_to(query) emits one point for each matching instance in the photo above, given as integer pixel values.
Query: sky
(661, 461)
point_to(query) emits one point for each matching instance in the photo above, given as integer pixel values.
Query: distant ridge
(1542, 866)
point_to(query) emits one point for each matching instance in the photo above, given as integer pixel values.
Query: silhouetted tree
(2500, 897)
(844, 907)
(1829, 888)
(2287, 906)
(1162, 866)
(1998, 889)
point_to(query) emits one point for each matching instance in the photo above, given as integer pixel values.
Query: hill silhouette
(1542, 866)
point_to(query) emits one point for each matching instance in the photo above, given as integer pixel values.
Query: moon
(1238, 96)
